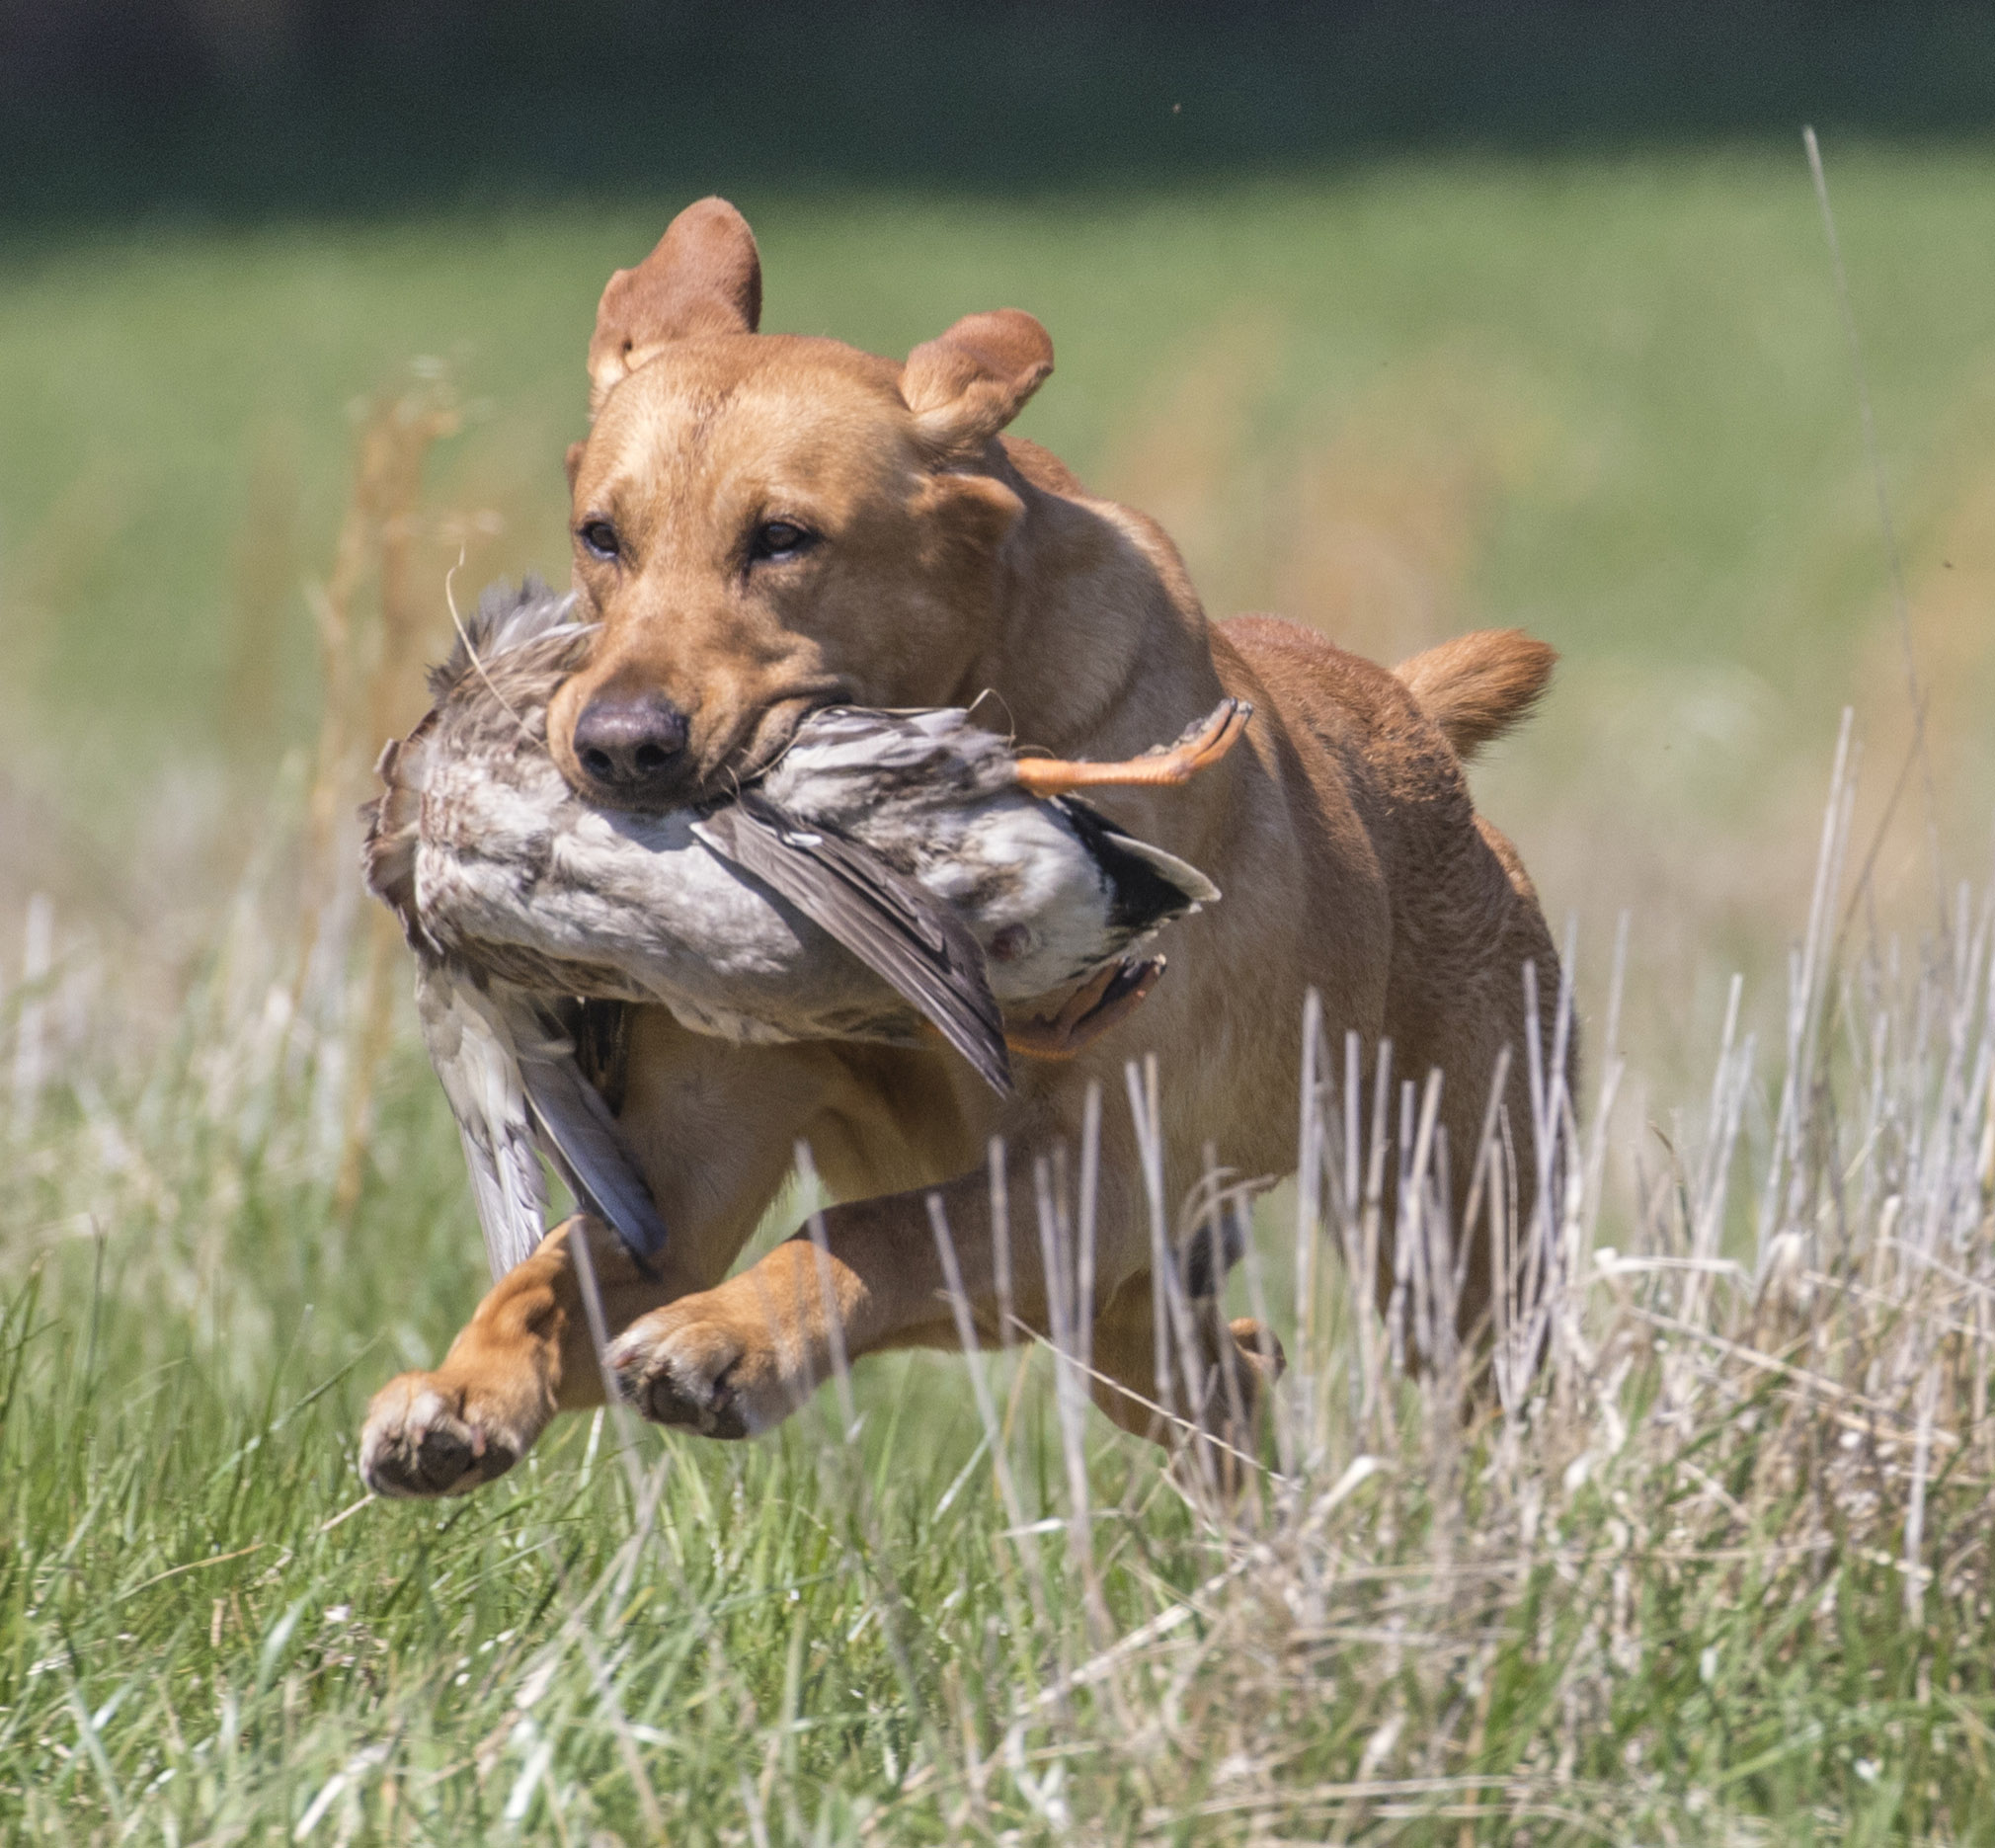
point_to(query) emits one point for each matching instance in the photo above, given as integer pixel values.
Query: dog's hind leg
(1173, 1391)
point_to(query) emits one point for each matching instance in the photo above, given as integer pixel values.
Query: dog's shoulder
(1042, 468)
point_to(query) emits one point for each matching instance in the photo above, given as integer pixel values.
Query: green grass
(1666, 1600)
(1659, 1593)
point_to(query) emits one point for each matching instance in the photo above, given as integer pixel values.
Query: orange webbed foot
(1199, 748)
(1097, 1005)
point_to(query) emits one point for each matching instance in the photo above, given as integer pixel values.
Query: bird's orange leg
(1087, 1014)
(1199, 748)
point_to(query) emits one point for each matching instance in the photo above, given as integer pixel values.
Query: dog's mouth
(756, 747)
(704, 773)
(761, 744)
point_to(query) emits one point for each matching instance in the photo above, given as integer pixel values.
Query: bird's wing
(919, 947)
(581, 1140)
(471, 1045)
(515, 1089)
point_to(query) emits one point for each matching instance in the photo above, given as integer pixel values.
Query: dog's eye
(778, 539)
(598, 538)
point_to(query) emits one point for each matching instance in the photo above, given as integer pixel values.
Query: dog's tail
(1478, 687)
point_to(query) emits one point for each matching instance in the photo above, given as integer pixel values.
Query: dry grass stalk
(369, 656)
(265, 581)
(37, 958)
(1815, 1376)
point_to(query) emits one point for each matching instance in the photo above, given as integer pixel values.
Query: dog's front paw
(423, 1438)
(694, 1365)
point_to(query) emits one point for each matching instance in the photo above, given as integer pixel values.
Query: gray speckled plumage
(886, 870)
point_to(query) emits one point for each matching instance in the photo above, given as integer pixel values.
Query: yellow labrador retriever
(767, 523)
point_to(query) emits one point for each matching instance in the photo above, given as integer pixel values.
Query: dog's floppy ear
(967, 385)
(704, 277)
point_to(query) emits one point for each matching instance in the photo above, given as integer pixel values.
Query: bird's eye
(778, 539)
(598, 538)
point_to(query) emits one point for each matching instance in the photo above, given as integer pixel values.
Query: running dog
(765, 524)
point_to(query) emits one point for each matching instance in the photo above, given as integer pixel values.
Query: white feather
(472, 1048)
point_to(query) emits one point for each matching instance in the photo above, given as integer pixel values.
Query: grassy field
(1722, 1576)
(1610, 401)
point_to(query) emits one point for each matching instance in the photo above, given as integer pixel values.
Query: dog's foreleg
(736, 1360)
(713, 1128)
(525, 1354)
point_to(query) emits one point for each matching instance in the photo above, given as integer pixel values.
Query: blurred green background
(1403, 319)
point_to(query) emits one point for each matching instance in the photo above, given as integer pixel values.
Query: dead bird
(891, 875)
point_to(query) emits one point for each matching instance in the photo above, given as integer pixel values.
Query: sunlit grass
(1716, 1571)
(1720, 1576)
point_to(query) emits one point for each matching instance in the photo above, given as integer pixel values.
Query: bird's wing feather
(919, 947)
(515, 1089)
(581, 1140)
(471, 1048)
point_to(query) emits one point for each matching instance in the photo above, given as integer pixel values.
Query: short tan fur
(949, 561)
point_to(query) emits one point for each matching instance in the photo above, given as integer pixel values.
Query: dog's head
(766, 523)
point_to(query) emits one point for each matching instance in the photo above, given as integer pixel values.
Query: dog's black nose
(629, 744)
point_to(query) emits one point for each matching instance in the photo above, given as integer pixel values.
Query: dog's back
(1464, 919)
